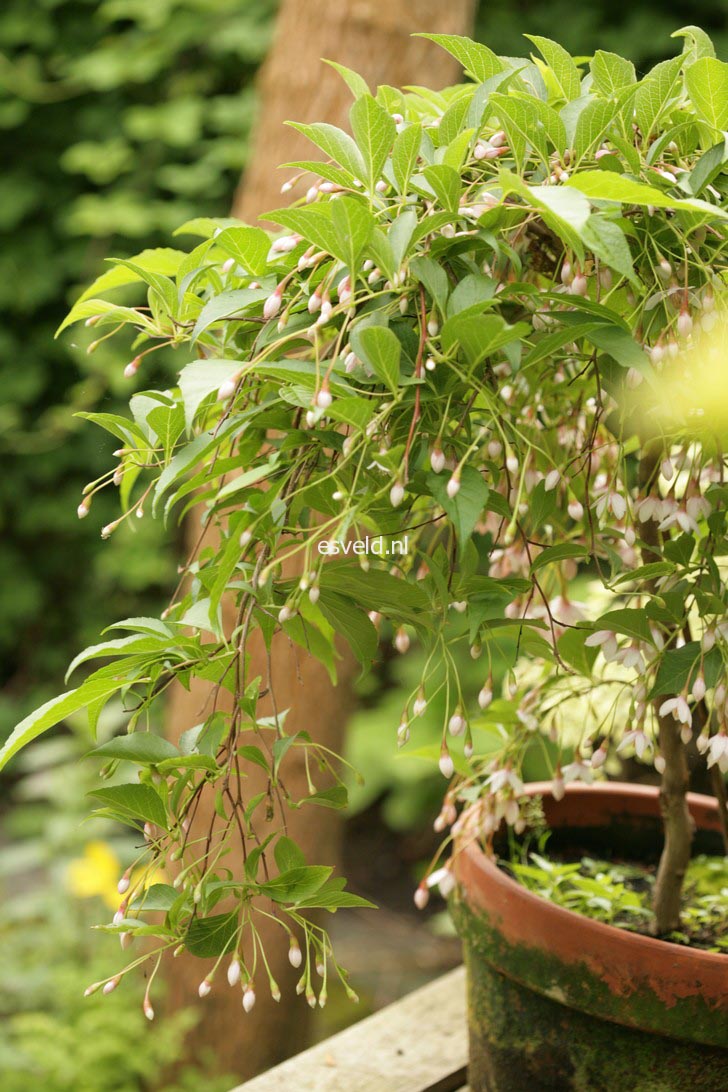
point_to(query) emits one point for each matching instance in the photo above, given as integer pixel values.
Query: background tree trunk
(373, 37)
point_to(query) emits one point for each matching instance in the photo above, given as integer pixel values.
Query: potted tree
(464, 393)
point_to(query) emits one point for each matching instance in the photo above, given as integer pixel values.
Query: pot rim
(701, 807)
(625, 961)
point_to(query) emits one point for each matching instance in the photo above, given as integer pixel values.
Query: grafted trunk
(373, 37)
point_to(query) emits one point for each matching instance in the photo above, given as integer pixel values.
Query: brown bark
(677, 823)
(373, 37)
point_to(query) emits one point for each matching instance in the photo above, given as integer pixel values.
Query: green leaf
(696, 43)
(479, 336)
(561, 64)
(353, 224)
(227, 305)
(296, 884)
(707, 84)
(574, 651)
(378, 347)
(632, 623)
(607, 240)
(429, 273)
(55, 711)
(335, 798)
(213, 936)
(529, 122)
(200, 379)
(466, 507)
(315, 223)
(375, 590)
(356, 83)
(133, 801)
(374, 130)
(249, 247)
(592, 125)
(352, 623)
(405, 151)
(144, 748)
(658, 89)
(477, 60)
(679, 667)
(610, 72)
(560, 552)
(446, 185)
(160, 896)
(288, 855)
(336, 145)
(608, 186)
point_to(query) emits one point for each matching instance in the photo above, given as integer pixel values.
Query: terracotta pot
(558, 1001)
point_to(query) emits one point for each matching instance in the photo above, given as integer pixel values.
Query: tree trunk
(373, 37)
(677, 822)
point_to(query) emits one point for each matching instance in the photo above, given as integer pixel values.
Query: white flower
(248, 998)
(630, 657)
(421, 897)
(443, 879)
(637, 739)
(558, 788)
(578, 770)
(718, 751)
(233, 972)
(396, 494)
(453, 487)
(679, 709)
(606, 641)
(205, 987)
(402, 640)
(505, 776)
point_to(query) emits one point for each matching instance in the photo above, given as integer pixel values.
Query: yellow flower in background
(95, 874)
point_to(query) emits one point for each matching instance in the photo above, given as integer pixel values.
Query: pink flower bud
(684, 323)
(132, 367)
(551, 480)
(323, 397)
(453, 486)
(205, 987)
(446, 764)
(227, 388)
(437, 459)
(422, 896)
(456, 724)
(228, 265)
(295, 956)
(402, 640)
(396, 494)
(111, 985)
(248, 998)
(272, 305)
(82, 512)
(575, 509)
(485, 697)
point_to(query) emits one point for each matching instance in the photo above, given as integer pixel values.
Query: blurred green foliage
(53, 1038)
(640, 30)
(118, 120)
